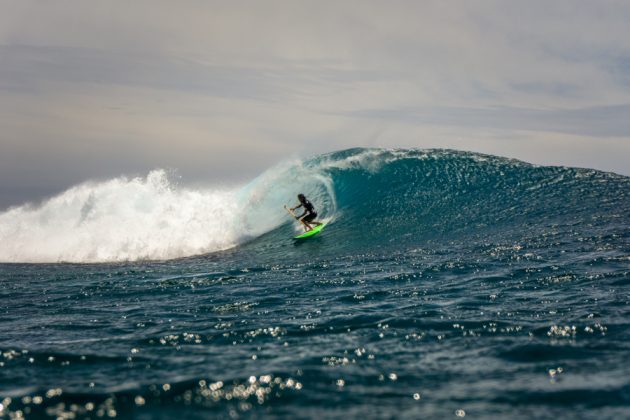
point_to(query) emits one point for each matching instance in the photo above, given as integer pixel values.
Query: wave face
(411, 195)
(373, 197)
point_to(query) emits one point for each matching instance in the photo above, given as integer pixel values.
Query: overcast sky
(222, 90)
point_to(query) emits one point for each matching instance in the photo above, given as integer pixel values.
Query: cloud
(221, 90)
(599, 121)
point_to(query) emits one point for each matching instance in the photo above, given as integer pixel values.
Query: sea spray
(120, 219)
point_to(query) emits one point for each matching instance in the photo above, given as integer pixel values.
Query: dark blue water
(447, 284)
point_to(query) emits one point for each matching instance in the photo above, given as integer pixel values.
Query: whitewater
(446, 284)
(151, 218)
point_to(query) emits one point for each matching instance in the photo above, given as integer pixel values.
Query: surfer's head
(301, 198)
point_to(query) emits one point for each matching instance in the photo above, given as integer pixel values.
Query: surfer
(309, 215)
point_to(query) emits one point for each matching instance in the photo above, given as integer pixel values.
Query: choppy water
(446, 284)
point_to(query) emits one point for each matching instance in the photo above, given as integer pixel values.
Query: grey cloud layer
(598, 121)
(221, 90)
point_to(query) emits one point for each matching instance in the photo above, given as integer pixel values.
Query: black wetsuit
(309, 211)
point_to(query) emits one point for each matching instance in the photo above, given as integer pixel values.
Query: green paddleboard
(311, 232)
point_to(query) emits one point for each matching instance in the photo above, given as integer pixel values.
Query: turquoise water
(446, 285)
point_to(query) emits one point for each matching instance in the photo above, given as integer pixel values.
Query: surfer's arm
(296, 207)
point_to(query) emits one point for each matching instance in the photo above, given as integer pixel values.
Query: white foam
(149, 217)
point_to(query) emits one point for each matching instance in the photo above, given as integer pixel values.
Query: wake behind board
(311, 232)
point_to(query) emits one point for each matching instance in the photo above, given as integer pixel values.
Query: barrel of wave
(264, 197)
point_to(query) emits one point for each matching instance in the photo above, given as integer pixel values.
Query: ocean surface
(446, 285)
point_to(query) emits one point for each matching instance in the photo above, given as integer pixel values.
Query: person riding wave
(309, 215)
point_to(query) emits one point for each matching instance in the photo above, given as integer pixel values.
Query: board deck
(311, 232)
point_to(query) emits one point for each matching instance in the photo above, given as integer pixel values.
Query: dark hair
(301, 197)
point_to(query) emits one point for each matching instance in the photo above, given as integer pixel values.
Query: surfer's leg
(308, 220)
(307, 225)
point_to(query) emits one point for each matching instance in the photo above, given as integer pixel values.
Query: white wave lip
(149, 218)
